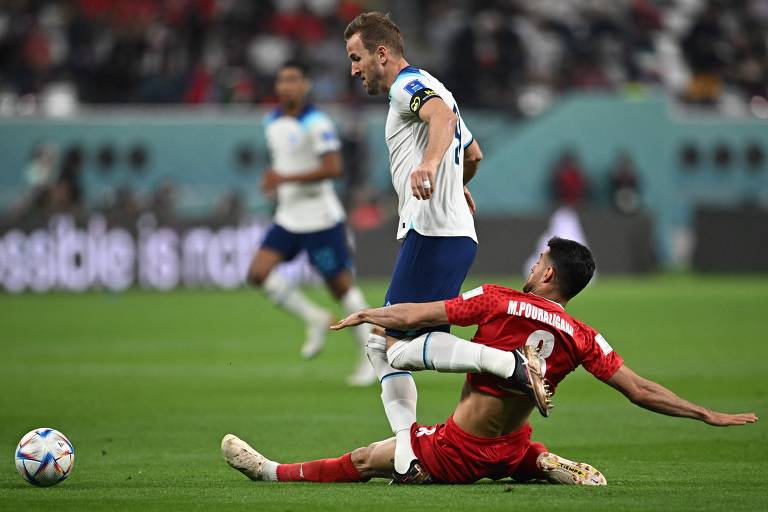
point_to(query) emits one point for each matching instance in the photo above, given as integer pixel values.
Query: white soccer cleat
(241, 456)
(317, 330)
(558, 470)
(364, 374)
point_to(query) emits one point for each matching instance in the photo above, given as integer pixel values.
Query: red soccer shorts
(456, 457)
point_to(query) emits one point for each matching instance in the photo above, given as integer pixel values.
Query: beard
(372, 85)
(527, 287)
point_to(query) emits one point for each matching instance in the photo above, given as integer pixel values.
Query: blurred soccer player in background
(432, 157)
(306, 156)
(488, 435)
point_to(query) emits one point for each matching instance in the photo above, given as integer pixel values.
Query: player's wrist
(428, 165)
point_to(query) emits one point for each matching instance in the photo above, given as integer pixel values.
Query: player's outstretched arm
(442, 128)
(404, 316)
(655, 397)
(330, 167)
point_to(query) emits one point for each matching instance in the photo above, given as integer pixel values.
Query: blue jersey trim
(278, 112)
(408, 69)
(468, 143)
(396, 374)
(424, 352)
(305, 113)
(406, 72)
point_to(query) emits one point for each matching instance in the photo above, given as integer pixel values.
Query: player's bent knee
(398, 359)
(407, 355)
(340, 284)
(256, 277)
(375, 346)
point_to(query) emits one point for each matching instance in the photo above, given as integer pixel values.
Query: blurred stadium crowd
(510, 59)
(515, 54)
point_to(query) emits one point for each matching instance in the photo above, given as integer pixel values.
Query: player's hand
(720, 419)
(351, 321)
(423, 181)
(270, 180)
(470, 200)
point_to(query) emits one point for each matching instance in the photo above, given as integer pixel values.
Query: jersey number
(457, 134)
(544, 342)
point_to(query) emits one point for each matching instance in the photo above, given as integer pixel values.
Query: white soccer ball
(44, 457)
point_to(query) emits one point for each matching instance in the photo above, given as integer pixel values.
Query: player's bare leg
(284, 294)
(359, 465)
(376, 459)
(344, 289)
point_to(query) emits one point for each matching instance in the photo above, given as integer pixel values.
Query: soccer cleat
(246, 460)
(528, 379)
(364, 374)
(416, 475)
(317, 330)
(558, 470)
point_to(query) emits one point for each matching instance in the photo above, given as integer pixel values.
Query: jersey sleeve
(466, 135)
(473, 307)
(323, 135)
(410, 93)
(598, 357)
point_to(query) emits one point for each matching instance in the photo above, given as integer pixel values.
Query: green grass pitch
(146, 384)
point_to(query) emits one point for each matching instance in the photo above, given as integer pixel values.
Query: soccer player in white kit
(432, 157)
(306, 155)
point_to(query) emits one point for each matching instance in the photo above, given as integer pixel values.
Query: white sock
(399, 396)
(354, 301)
(445, 352)
(269, 473)
(282, 293)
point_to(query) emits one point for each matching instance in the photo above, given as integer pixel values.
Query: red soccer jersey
(508, 319)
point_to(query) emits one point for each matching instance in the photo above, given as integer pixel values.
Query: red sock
(527, 469)
(323, 470)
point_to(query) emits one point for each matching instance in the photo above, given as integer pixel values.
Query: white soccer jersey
(446, 213)
(296, 145)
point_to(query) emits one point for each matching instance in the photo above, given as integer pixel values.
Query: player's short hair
(376, 29)
(574, 265)
(296, 64)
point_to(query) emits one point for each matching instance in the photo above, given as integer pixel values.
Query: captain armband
(420, 97)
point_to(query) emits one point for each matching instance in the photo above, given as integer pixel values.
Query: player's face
(291, 86)
(364, 65)
(537, 272)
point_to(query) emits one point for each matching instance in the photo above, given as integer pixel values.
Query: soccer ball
(44, 457)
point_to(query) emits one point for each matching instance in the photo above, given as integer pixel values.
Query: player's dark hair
(376, 29)
(296, 64)
(574, 265)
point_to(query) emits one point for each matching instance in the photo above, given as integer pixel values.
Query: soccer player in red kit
(488, 435)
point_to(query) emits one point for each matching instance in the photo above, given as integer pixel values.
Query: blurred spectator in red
(570, 185)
